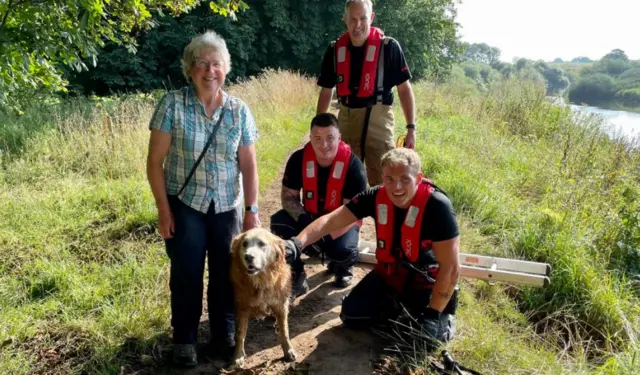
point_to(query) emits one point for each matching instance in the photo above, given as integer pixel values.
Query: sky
(547, 29)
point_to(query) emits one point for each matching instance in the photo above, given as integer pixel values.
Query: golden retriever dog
(261, 280)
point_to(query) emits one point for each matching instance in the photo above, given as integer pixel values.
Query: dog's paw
(238, 363)
(290, 356)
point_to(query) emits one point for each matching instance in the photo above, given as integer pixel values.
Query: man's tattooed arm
(291, 202)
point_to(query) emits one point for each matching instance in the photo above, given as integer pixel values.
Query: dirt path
(323, 345)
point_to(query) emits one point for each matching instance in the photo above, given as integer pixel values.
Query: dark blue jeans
(373, 303)
(198, 235)
(342, 251)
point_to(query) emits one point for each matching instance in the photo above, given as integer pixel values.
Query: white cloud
(546, 29)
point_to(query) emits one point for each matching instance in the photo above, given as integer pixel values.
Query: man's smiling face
(401, 183)
(358, 20)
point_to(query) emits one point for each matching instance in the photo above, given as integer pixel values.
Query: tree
(558, 60)
(581, 59)
(523, 63)
(594, 89)
(557, 81)
(288, 34)
(629, 98)
(556, 78)
(426, 30)
(612, 66)
(630, 79)
(616, 54)
(481, 53)
(39, 37)
(266, 35)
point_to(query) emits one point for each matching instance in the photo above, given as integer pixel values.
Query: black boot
(344, 276)
(184, 355)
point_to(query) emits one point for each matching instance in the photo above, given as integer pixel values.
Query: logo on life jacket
(335, 183)
(407, 248)
(334, 196)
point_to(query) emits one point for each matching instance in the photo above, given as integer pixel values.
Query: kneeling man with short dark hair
(328, 175)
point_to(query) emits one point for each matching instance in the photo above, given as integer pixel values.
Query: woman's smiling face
(208, 71)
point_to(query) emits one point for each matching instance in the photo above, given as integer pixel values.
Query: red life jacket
(335, 183)
(411, 243)
(369, 64)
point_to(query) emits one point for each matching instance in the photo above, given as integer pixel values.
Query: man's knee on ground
(353, 316)
(283, 225)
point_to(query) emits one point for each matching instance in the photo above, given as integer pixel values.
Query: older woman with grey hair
(201, 165)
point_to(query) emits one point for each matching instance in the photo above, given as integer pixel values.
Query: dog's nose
(248, 258)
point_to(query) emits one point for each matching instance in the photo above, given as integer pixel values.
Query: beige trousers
(379, 138)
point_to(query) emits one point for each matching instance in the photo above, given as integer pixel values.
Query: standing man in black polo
(328, 174)
(365, 65)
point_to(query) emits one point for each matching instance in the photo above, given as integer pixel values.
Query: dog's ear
(279, 247)
(235, 243)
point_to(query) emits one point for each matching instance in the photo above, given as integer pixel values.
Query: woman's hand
(167, 225)
(251, 220)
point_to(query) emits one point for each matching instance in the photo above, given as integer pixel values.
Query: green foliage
(539, 182)
(616, 54)
(555, 79)
(482, 75)
(629, 97)
(266, 35)
(271, 34)
(37, 38)
(612, 67)
(581, 59)
(480, 53)
(596, 88)
(618, 88)
(426, 30)
(612, 80)
(629, 79)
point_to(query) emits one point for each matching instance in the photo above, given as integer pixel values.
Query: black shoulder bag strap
(206, 147)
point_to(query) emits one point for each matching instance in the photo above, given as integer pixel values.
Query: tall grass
(83, 274)
(541, 184)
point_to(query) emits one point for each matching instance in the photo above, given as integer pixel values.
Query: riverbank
(617, 123)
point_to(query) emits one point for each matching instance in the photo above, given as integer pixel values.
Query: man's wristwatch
(411, 126)
(252, 208)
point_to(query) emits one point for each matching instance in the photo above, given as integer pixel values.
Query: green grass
(535, 185)
(84, 275)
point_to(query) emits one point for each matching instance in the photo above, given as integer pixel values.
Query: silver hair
(402, 156)
(209, 41)
(367, 3)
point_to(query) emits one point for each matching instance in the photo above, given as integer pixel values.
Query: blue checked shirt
(217, 178)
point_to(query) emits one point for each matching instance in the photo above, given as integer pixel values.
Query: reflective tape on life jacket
(411, 243)
(373, 47)
(335, 182)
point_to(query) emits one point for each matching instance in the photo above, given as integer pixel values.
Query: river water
(622, 123)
